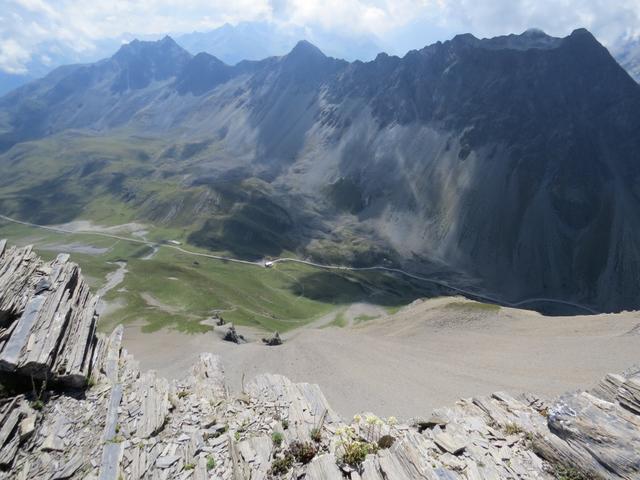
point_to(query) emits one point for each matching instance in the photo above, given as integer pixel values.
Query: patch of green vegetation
(59, 178)
(277, 438)
(562, 472)
(364, 318)
(393, 309)
(303, 452)
(316, 434)
(339, 320)
(474, 306)
(281, 465)
(354, 452)
(512, 429)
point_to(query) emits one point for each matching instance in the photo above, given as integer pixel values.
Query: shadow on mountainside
(372, 287)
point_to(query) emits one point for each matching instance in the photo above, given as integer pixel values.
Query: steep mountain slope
(511, 161)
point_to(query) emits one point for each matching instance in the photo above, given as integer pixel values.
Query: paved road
(312, 264)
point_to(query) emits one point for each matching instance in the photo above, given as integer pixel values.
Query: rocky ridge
(89, 412)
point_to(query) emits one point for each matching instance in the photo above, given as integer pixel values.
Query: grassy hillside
(173, 289)
(124, 177)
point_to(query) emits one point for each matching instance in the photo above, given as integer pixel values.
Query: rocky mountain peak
(584, 39)
(305, 49)
(141, 62)
(306, 65)
(202, 73)
(137, 49)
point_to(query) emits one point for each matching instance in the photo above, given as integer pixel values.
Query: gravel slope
(427, 355)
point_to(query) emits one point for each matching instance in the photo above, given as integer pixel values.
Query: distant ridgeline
(510, 163)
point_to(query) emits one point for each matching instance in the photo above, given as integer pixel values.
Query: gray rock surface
(136, 425)
(49, 318)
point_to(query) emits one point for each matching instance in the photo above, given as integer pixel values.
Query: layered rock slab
(48, 318)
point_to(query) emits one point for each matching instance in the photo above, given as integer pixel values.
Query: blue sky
(399, 25)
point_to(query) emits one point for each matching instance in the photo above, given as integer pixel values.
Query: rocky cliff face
(511, 161)
(103, 418)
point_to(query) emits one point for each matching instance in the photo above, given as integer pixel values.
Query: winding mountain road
(309, 263)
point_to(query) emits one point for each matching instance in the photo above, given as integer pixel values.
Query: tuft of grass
(339, 320)
(303, 452)
(277, 439)
(182, 394)
(364, 318)
(356, 451)
(316, 434)
(512, 429)
(211, 462)
(281, 465)
(385, 441)
(474, 306)
(563, 472)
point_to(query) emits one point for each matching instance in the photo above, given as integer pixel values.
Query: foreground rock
(273, 341)
(47, 318)
(130, 424)
(233, 336)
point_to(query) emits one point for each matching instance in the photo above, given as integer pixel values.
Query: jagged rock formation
(130, 424)
(48, 318)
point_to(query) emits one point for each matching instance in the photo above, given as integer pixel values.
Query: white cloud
(29, 26)
(13, 57)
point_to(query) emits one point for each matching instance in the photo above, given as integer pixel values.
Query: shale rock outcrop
(92, 414)
(47, 318)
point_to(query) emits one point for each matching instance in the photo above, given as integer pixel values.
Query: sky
(42, 28)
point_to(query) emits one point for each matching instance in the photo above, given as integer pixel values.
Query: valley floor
(426, 355)
(338, 329)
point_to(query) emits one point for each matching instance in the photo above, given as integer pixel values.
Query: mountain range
(245, 41)
(509, 164)
(230, 43)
